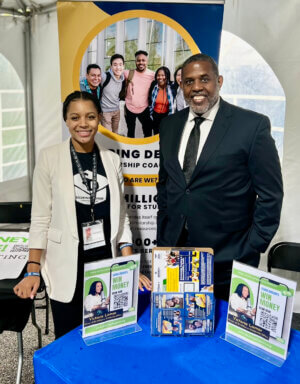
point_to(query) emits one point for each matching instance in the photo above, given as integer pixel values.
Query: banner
(13, 253)
(91, 33)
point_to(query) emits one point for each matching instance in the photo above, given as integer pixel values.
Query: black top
(83, 207)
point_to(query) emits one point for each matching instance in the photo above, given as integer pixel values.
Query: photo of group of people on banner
(135, 84)
(149, 96)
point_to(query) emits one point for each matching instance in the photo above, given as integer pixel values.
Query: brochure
(182, 269)
(182, 314)
(110, 294)
(182, 299)
(260, 310)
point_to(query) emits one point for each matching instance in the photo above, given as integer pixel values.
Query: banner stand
(114, 334)
(256, 351)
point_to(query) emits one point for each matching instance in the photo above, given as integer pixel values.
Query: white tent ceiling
(25, 7)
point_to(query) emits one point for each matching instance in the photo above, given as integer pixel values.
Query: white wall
(13, 31)
(46, 81)
(272, 27)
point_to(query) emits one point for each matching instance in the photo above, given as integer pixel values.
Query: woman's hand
(144, 282)
(30, 284)
(27, 287)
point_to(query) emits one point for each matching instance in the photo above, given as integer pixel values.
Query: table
(143, 359)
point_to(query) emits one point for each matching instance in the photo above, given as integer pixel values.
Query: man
(113, 82)
(92, 81)
(136, 101)
(224, 189)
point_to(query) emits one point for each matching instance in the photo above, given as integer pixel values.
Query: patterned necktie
(190, 156)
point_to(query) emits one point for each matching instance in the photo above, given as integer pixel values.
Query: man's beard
(206, 105)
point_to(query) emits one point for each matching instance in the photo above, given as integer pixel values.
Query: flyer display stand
(254, 350)
(110, 299)
(260, 313)
(182, 314)
(182, 302)
(109, 335)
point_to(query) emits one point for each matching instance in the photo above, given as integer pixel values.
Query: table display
(141, 358)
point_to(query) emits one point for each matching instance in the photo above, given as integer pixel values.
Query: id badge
(93, 234)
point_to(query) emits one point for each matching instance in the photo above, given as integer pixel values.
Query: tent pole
(29, 101)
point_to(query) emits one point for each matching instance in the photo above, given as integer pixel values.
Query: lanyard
(93, 190)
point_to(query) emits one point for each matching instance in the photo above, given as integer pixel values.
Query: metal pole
(20, 361)
(29, 102)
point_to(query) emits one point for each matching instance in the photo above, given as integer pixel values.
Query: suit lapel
(174, 144)
(218, 131)
(66, 174)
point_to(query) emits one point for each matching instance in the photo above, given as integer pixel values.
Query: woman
(95, 302)
(195, 324)
(161, 98)
(240, 304)
(180, 102)
(72, 189)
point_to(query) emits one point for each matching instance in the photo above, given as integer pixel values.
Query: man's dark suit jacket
(233, 200)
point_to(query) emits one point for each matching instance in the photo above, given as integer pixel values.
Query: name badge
(93, 234)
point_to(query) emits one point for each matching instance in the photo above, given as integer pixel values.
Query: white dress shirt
(204, 130)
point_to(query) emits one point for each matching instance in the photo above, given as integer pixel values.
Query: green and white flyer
(13, 253)
(110, 294)
(260, 312)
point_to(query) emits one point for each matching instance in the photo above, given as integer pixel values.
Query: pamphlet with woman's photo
(110, 294)
(260, 309)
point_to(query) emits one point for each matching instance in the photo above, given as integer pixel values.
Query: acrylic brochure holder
(260, 311)
(114, 334)
(254, 350)
(110, 299)
(182, 301)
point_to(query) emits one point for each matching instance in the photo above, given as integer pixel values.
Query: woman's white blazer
(53, 216)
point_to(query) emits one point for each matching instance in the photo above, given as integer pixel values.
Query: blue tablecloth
(143, 359)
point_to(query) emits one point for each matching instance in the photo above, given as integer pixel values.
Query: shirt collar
(209, 115)
(112, 75)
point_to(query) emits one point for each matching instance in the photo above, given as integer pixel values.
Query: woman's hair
(175, 74)
(166, 72)
(92, 290)
(197, 321)
(239, 290)
(79, 95)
